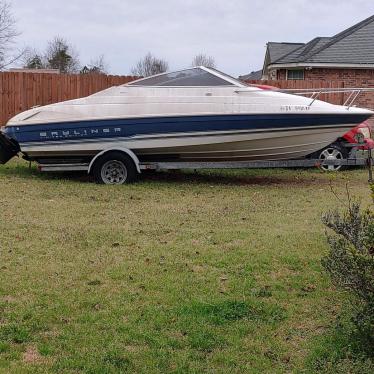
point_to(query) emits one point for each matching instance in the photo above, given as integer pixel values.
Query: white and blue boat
(197, 114)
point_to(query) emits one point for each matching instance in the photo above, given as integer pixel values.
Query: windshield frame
(232, 81)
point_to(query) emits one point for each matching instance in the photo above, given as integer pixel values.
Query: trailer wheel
(333, 152)
(114, 168)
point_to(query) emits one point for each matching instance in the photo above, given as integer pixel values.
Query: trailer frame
(352, 161)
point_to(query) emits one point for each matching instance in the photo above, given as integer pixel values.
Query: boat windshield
(189, 77)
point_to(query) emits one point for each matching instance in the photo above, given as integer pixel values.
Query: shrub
(350, 264)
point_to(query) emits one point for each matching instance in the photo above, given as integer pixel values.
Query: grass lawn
(215, 272)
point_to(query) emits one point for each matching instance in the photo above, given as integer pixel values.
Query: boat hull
(210, 147)
(190, 138)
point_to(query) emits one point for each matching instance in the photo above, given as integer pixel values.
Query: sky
(234, 32)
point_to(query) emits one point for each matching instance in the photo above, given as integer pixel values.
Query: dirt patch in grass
(31, 355)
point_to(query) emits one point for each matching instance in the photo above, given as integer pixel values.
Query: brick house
(345, 60)
(347, 56)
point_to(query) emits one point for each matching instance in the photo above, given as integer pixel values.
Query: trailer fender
(118, 149)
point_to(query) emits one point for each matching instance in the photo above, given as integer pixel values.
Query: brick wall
(348, 77)
(333, 74)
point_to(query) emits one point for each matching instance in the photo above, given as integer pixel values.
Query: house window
(295, 74)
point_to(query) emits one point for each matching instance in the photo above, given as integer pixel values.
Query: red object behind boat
(363, 129)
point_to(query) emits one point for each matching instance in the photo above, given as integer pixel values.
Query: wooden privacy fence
(21, 91)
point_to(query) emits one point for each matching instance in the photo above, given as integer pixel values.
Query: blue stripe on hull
(111, 128)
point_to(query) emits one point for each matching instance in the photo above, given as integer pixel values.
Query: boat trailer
(177, 165)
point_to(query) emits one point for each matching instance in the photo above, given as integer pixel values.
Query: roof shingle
(255, 75)
(352, 46)
(277, 50)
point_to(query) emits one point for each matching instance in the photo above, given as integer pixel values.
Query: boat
(196, 114)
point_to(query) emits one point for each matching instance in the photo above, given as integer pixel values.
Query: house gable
(303, 52)
(353, 48)
(275, 50)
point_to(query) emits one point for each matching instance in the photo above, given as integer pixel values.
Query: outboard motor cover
(8, 148)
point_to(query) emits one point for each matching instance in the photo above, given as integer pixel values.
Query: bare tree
(62, 56)
(8, 34)
(149, 65)
(203, 60)
(96, 66)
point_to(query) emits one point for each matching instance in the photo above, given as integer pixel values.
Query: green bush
(350, 264)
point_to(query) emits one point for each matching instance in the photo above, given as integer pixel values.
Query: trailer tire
(114, 168)
(333, 151)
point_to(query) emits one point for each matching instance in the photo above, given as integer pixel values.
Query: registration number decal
(295, 108)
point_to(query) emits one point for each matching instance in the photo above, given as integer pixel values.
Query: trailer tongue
(8, 148)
